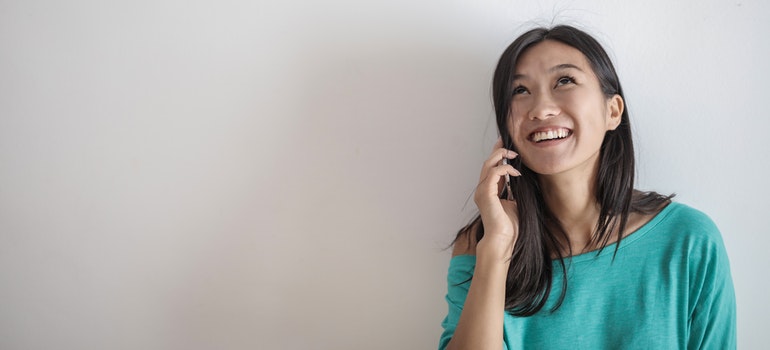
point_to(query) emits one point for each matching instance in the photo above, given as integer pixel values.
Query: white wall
(284, 175)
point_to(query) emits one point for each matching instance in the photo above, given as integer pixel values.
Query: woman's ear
(614, 111)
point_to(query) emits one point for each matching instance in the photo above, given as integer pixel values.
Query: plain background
(286, 175)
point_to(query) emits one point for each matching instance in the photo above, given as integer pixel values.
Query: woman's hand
(499, 216)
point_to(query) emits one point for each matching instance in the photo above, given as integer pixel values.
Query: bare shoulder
(465, 243)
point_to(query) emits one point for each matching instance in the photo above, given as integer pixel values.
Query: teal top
(669, 287)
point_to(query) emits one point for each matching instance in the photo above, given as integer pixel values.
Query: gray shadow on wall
(378, 125)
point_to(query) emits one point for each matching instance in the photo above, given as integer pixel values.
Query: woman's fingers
(495, 177)
(496, 159)
(495, 171)
(498, 215)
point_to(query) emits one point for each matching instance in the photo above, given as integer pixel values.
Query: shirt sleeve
(458, 281)
(712, 307)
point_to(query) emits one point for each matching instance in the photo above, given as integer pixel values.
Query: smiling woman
(643, 272)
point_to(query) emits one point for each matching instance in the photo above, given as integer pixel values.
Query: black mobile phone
(506, 192)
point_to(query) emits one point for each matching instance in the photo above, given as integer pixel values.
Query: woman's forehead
(550, 56)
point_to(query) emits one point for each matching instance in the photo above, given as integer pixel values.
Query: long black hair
(541, 236)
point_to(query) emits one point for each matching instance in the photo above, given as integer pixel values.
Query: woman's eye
(519, 90)
(565, 81)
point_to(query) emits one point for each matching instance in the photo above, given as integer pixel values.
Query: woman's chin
(545, 168)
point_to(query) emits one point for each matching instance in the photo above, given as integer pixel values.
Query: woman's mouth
(549, 134)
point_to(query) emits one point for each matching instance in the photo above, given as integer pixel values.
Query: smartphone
(506, 192)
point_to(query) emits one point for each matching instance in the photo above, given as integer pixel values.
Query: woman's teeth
(550, 135)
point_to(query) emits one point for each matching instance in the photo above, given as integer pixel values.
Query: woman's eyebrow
(564, 66)
(555, 68)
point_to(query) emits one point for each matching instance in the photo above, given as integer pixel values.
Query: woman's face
(558, 114)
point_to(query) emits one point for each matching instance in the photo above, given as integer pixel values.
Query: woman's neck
(572, 201)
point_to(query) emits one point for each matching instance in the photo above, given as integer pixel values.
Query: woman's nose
(544, 108)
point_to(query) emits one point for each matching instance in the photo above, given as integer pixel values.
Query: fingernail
(512, 154)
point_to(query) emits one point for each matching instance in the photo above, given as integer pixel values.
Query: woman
(565, 254)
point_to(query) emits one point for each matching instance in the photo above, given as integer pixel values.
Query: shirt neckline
(610, 248)
(626, 241)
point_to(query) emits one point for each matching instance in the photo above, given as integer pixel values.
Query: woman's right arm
(481, 322)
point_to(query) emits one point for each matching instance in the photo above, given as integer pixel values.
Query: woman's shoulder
(683, 216)
(689, 226)
(465, 242)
